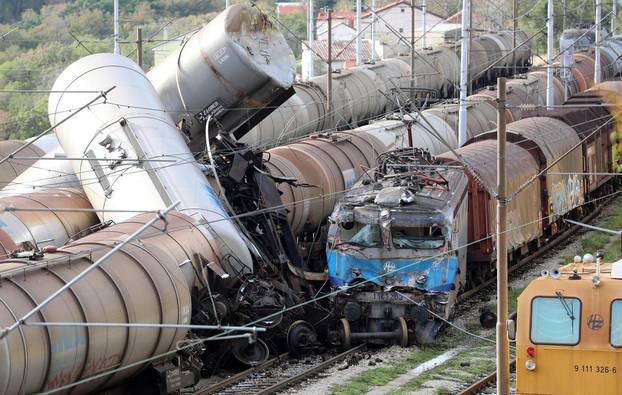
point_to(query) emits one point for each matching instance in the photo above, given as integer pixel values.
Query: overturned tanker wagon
(140, 311)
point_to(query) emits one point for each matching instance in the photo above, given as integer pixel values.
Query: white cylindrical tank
(423, 130)
(301, 114)
(132, 124)
(236, 66)
(393, 133)
(47, 143)
(52, 171)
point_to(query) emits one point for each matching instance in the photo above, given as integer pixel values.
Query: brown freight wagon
(593, 123)
(554, 146)
(524, 212)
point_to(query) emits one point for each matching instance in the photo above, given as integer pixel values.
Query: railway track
(484, 382)
(267, 378)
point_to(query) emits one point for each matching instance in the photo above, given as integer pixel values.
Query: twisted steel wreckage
(179, 218)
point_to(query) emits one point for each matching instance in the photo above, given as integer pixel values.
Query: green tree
(296, 23)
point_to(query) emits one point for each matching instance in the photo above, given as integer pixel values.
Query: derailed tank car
(394, 238)
(235, 70)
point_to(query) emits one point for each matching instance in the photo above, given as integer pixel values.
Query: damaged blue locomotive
(397, 249)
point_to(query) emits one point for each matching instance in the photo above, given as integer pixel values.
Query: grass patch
(513, 294)
(615, 220)
(477, 367)
(593, 240)
(361, 383)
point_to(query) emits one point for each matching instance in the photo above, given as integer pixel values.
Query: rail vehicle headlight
(530, 365)
(531, 351)
(421, 279)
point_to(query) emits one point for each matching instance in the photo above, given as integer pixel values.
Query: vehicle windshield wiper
(567, 307)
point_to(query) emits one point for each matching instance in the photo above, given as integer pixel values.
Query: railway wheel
(345, 333)
(402, 327)
(251, 354)
(300, 336)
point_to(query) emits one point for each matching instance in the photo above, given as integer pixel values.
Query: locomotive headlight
(530, 365)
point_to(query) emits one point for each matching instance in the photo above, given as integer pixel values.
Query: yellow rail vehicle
(569, 331)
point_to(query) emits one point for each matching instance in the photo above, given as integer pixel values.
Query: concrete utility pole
(614, 17)
(412, 52)
(117, 46)
(503, 353)
(310, 38)
(329, 76)
(139, 46)
(564, 15)
(514, 28)
(424, 8)
(597, 71)
(359, 42)
(549, 57)
(464, 72)
(373, 31)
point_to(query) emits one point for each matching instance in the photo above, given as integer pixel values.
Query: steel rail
(310, 372)
(236, 378)
(281, 385)
(484, 382)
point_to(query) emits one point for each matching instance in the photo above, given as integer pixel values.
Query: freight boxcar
(524, 212)
(556, 148)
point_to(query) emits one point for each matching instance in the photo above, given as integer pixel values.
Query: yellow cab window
(555, 320)
(616, 323)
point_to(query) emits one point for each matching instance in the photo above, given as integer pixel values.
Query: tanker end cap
(260, 42)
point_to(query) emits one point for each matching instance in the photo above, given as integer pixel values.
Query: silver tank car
(114, 137)
(236, 69)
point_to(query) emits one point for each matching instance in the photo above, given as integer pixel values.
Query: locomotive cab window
(420, 237)
(616, 323)
(555, 320)
(362, 235)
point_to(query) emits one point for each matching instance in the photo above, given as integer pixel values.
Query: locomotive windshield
(423, 237)
(368, 236)
(402, 237)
